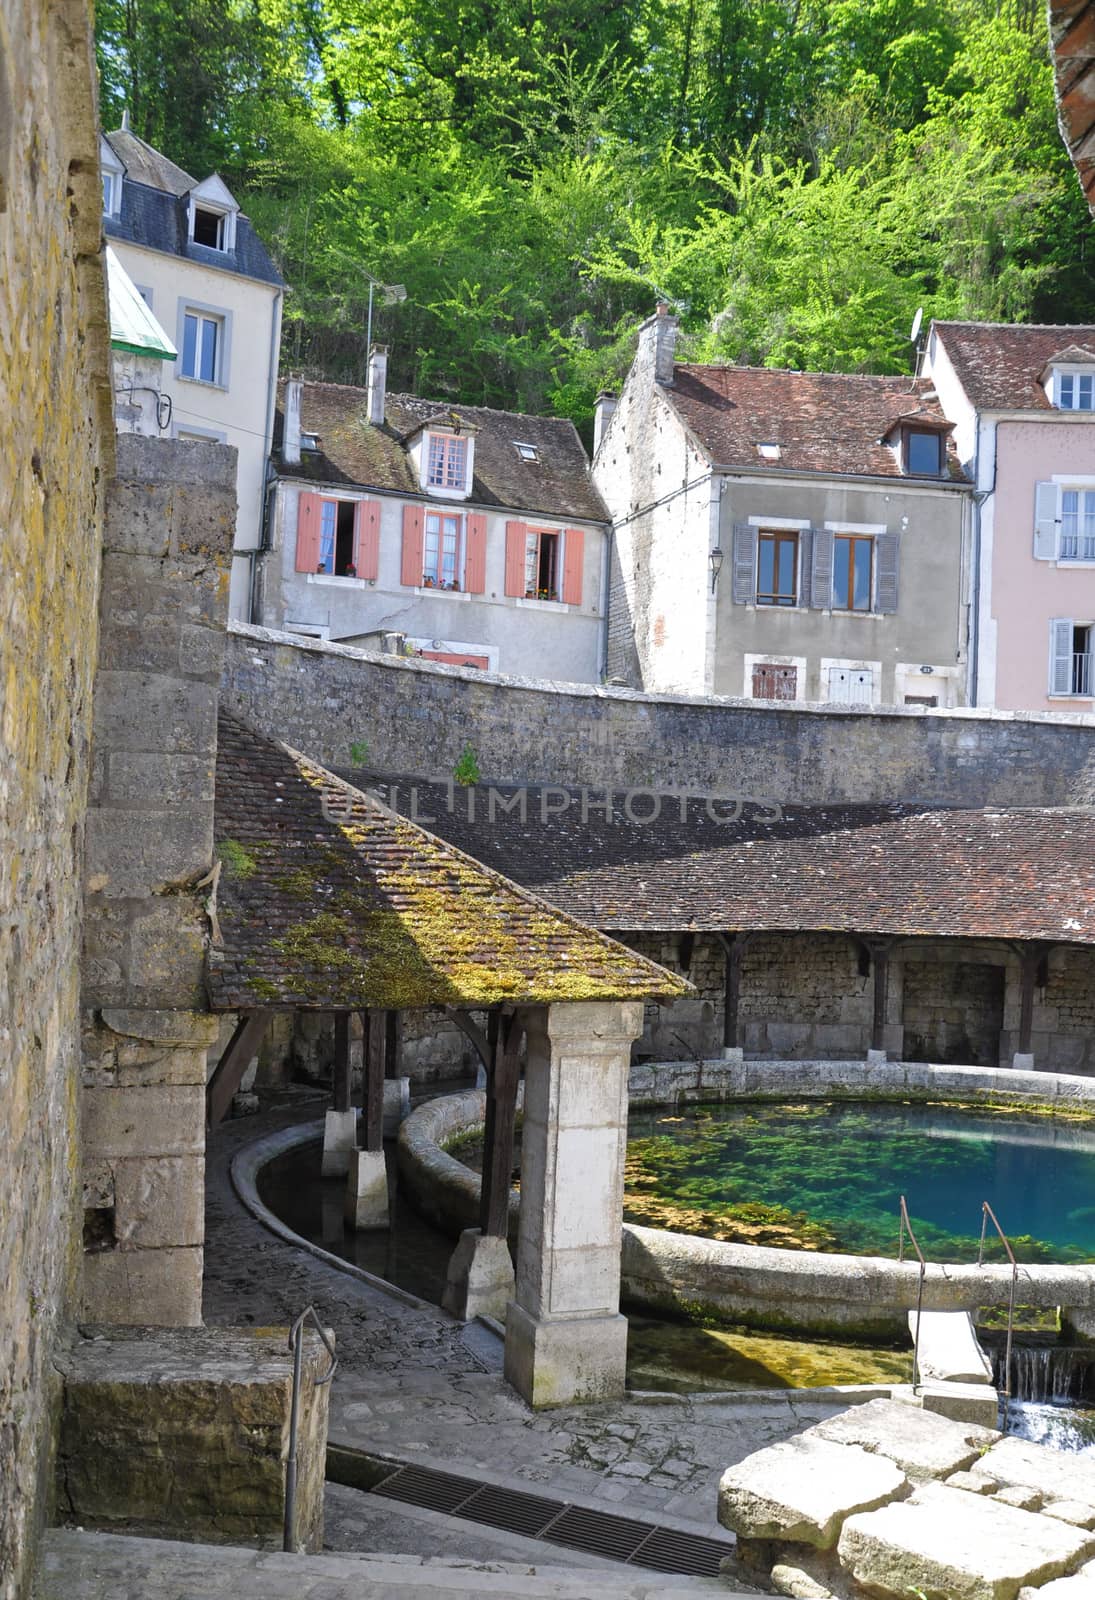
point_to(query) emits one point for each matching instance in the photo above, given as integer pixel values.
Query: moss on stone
(235, 860)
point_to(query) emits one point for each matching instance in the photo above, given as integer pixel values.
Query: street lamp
(716, 559)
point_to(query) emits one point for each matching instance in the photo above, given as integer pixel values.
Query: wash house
(327, 902)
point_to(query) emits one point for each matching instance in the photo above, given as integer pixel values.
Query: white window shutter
(744, 559)
(1060, 655)
(1046, 524)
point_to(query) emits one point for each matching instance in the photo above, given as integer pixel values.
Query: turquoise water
(833, 1174)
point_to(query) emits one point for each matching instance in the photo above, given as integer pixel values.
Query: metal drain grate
(600, 1533)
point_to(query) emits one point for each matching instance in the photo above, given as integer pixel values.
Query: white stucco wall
(238, 412)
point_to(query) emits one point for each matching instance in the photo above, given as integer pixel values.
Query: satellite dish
(914, 331)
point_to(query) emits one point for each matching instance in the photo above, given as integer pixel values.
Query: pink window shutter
(308, 521)
(367, 539)
(413, 542)
(516, 536)
(573, 563)
(475, 554)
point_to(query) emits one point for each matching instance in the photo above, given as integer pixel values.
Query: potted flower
(351, 570)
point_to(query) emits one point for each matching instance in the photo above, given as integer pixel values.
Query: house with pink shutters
(458, 534)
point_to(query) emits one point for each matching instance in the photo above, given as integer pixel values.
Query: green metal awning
(133, 328)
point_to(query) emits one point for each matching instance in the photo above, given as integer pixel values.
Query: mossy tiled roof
(328, 901)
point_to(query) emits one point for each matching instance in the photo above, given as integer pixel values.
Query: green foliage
(359, 750)
(236, 862)
(796, 175)
(466, 770)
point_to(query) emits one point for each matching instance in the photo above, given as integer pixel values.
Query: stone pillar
(565, 1338)
(366, 1204)
(340, 1124)
(149, 884)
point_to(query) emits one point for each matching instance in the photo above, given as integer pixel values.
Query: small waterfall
(1049, 1374)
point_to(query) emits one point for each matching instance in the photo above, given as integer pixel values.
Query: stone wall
(810, 996)
(55, 442)
(165, 569)
(418, 717)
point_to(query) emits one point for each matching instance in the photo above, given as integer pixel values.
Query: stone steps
(74, 1565)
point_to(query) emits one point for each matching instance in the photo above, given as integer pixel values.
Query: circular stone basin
(828, 1177)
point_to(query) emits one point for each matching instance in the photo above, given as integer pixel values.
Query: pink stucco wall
(1027, 593)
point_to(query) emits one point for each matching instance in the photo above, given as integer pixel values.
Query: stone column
(565, 1338)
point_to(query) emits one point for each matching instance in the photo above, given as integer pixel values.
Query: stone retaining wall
(418, 717)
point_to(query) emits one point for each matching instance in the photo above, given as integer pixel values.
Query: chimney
(602, 414)
(378, 383)
(290, 434)
(658, 342)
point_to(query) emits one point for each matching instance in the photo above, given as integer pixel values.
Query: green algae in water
(680, 1358)
(829, 1177)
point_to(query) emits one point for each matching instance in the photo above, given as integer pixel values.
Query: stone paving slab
(801, 1490)
(1058, 1475)
(1079, 1587)
(98, 1566)
(923, 1444)
(416, 1385)
(948, 1544)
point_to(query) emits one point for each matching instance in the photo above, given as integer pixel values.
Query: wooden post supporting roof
(734, 944)
(375, 1028)
(1032, 968)
(505, 1041)
(229, 1071)
(880, 963)
(340, 1074)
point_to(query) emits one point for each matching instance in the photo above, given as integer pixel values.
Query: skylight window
(769, 451)
(527, 452)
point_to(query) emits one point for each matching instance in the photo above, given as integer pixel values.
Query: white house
(456, 533)
(207, 278)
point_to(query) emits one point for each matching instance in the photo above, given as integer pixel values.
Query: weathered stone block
(159, 1202)
(974, 1403)
(801, 1490)
(567, 1360)
(185, 1433)
(949, 1545)
(1035, 1466)
(366, 1203)
(167, 1119)
(480, 1279)
(143, 1288)
(921, 1444)
(137, 852)
(1079, 1515)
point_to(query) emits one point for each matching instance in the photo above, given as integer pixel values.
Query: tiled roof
(327, 901)
(145, 165)
(1001, 874)
(557, 484)
(158, 220)
(1000, 364)
(828, 422)
(1072, 45)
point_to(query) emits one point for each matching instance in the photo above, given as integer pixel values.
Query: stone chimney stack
(290, 436)
(378, 383)
(602, 415)
(658, 344)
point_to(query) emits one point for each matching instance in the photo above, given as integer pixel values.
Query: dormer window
(113, 172)
(1076, 391)
(924, 452)
(212, 213)
(447, 461)
(209, 228)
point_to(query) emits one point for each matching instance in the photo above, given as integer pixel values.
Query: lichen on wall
(54, 449)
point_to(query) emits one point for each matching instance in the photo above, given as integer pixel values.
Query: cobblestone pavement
(416, 1385)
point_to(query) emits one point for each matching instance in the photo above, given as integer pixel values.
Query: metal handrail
(906, 1227)
(987, 1214)
(296, 1345)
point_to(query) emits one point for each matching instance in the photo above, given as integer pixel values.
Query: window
(109, 180)
(923, 452)
(1076, 391)
(209, 228)
(446, 461)
(541, 565)
(1070, 658)
(1077, 525)
(527, 452)
(777, 569)
(853, 559)
(774, 683)
(202, 347)
(441, 551)
(336, 538)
